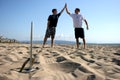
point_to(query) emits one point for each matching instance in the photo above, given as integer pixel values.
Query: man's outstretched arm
(67, 10)
(63, 9)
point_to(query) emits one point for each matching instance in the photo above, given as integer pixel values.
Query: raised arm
(86, 23)
(63, 9)
(67, 10)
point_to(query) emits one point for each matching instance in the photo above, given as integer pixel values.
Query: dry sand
(63, 62)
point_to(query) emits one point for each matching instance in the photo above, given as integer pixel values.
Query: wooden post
(31, 45)
(30, 59)
(31, 38)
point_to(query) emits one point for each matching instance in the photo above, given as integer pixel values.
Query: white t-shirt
(77, 20)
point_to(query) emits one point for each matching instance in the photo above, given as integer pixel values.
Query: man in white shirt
(77, 21)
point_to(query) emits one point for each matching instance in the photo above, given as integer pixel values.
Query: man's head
(77, 10)
(54, 11)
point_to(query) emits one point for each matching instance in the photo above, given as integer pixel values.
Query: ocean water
(71, 43)
(49, 42)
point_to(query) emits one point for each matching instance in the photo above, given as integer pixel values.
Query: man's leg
(53, 31)
(84, 42)
(45, 39)
(47, 35)
(52, 41)
(77, 42)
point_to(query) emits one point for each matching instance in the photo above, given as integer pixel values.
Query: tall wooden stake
(31, 38)
(30, 59)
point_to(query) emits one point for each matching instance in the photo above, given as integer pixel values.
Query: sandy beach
(63, 62)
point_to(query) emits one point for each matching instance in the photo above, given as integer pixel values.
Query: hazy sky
(103, 17)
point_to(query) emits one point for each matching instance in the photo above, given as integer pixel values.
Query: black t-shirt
(53, 20)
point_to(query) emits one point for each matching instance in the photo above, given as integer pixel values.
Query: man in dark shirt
(51, 25)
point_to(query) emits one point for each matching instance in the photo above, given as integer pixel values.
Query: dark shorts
(79, 32)
(50, 32)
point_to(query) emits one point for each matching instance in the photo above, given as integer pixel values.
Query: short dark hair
(77, 9)
(54, 10)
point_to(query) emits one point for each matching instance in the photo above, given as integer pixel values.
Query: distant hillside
(6, 40)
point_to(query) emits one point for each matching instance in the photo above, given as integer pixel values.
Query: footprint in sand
(116, 61)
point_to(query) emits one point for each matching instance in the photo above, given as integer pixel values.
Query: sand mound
(63, 62)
